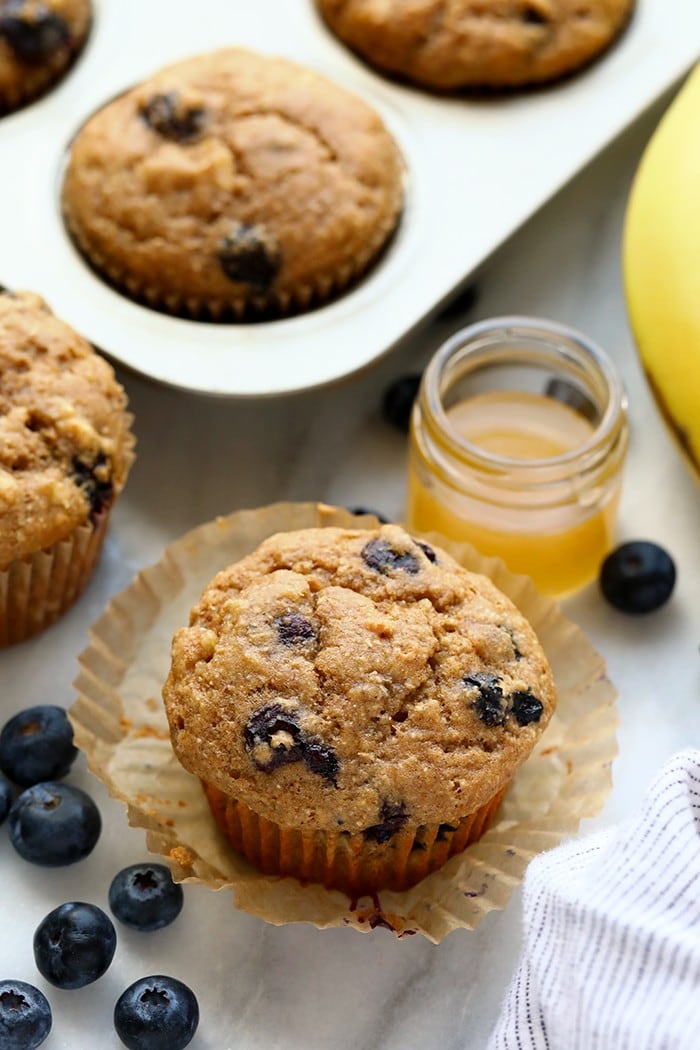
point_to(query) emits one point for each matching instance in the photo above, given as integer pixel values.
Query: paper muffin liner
(120, 723)
(343, 861)
(36, 590)
(252, 307)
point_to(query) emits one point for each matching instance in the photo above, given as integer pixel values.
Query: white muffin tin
(476, 169)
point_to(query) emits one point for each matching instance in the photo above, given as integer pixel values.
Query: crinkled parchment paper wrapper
(120, 723)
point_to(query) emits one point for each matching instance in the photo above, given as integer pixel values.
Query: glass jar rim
(512, 327)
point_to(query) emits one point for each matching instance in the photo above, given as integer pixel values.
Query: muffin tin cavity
(475, 170)
(233, 186)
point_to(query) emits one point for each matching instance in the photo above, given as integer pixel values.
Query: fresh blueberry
(74, 944)
(25, 1016)
(359, 511)
(461, 303)
(5, 798)
(54, 824)
(156, 1013)
(397, 403)
(37, 744)
(638, 577)
(145, 897)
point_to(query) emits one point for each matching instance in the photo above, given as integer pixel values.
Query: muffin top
(354, 680)
(38, 40)
(65, 445)
(448, 44)
(232, 182)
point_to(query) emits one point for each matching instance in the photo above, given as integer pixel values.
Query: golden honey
(518, 438)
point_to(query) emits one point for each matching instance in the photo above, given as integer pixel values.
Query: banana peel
(661, 266)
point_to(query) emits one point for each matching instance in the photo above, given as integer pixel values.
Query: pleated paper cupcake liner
(344, 861)
(38, 589)
(288, 302)
(120, 723)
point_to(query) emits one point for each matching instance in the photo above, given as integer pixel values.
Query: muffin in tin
(65, 451)
(233, 185)
(39, 40)
(355, 704)
(447, 45)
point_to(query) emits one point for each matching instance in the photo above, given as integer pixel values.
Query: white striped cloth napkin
(611, 954)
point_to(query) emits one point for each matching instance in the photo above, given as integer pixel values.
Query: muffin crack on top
(233, 185)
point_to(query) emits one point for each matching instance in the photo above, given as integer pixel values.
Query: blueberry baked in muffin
(355, 704)
(39, 41)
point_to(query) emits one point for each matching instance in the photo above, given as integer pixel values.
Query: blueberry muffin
(65, 452)
(355, 704)
(39, 39)
(233, 185)
(450, 44)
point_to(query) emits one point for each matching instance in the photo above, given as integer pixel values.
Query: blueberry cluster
(273, 737)
(53, 824)
(638, 577)
(493, 706)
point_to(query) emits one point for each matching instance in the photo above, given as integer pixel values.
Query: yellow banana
(661, 265)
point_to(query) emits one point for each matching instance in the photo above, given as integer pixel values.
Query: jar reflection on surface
(518, 439)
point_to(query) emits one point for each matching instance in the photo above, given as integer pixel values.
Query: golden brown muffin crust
(339, 679)
(64, 430)
(230, 182)
(39, 39)
(450, 44)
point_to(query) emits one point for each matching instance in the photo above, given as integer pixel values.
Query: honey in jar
(518, 438)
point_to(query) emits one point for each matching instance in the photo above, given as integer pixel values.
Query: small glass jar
(518, 438)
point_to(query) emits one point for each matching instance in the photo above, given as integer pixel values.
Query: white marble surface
(296, 988)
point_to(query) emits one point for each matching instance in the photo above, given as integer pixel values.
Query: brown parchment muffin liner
(120, 723)
(37, 589)
(249, 307)
(346, 862)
